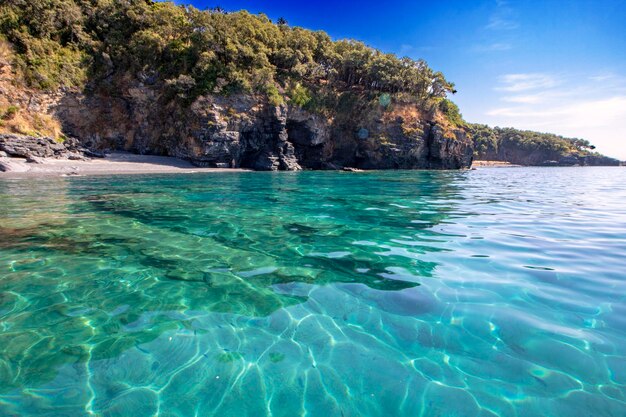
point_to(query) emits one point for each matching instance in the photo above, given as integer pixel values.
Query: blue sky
(547, 65)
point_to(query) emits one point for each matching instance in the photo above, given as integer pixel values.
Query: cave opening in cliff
(307, 149)
(249, 153)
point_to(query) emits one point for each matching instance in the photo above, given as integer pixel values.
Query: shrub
(300, 95)
(452, 112)
(273, 95)
(182, 85)
(10, 113)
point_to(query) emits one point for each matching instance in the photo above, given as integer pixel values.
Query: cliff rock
(32, 148)
(246, 131)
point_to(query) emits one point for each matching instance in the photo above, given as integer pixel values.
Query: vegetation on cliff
(97, 43)
(526, 147)
(14, 117)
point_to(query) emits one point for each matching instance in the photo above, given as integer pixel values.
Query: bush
(182, 85)
(10, 113)
(273, 95)
(300, 95)
(452, 112)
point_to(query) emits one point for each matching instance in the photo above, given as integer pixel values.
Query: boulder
(34, 159)
(28, 146)
(33, 148)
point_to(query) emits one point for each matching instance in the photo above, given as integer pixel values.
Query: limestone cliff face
(246, 131)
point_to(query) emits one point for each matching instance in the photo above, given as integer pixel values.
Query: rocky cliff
(539, 156)
(240, 130)
(522, 147)
(246, 131)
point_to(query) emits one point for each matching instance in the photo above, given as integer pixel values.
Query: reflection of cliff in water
(131, 259)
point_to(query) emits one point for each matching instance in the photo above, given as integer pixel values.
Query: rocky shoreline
(31, 148)
(41, 156)
(116, 163)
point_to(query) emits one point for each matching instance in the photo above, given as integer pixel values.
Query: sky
(546, 65)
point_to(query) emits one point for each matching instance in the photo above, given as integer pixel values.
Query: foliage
(490, 143)
(193, 52)
(22, 121)
(273, 95)
(10, 112)
(300, 95)
(46, 38)
(485, 140)
(452, 112)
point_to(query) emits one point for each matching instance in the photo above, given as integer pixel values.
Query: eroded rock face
(265, 146)
(32, 148)
(245, 131)
(238, 132)
(448, 152)
(27, 146)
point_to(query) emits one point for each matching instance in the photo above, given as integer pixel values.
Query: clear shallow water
(480, 293)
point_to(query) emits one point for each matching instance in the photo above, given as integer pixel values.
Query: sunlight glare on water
(496, 292)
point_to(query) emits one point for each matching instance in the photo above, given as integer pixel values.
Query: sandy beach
(478, 164)
(127, 163)
(114, 163)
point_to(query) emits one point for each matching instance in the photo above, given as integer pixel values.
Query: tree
(63, 42)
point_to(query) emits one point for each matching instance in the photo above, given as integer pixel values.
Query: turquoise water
(496, 292)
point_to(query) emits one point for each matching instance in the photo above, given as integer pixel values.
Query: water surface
(497, 292)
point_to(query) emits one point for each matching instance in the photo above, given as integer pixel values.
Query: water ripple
(497, 292)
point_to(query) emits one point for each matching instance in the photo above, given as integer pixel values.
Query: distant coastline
(499, 164)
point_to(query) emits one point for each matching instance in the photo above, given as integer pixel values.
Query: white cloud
(493, 47)
(526, 82)
(592, 107)
(527, 99)
(503, 17)
(602, 77)
(501, 23)
(591, 113)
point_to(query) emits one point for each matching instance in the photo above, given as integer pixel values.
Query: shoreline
(116, 163)
(125, 163)
(493, 164)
